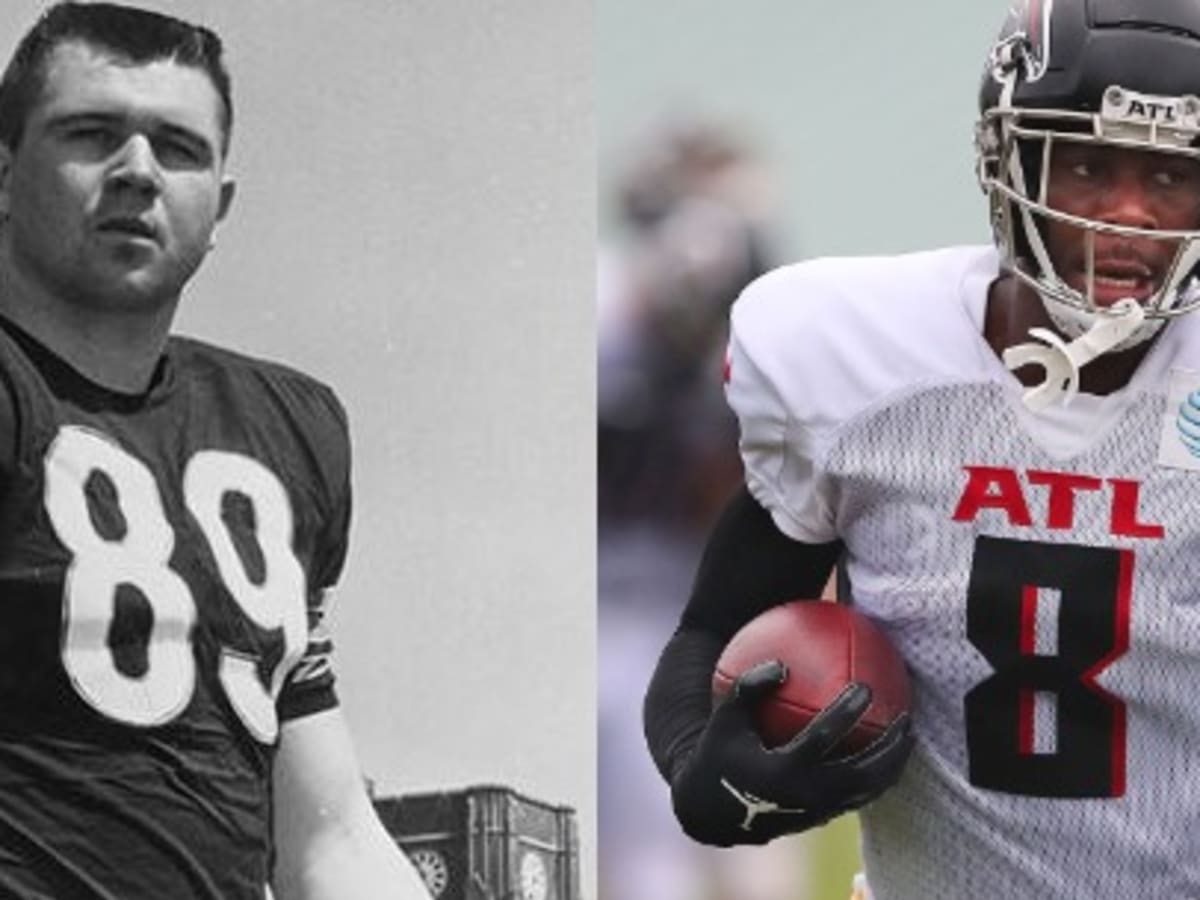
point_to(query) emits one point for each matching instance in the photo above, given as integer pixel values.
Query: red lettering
(995, 487)
(1027, 643)
(989, 487)
(1125, 521)
(1061, 503)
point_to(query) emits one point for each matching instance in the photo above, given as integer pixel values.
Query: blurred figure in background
(695, 228)
(693, 215)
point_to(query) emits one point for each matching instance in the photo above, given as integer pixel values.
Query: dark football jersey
(164, 559)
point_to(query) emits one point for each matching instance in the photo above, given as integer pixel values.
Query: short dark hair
(134, 35)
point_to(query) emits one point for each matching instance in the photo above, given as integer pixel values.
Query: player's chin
(137, 289)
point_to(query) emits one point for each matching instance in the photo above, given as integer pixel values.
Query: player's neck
(114, 349)
(1013, 308)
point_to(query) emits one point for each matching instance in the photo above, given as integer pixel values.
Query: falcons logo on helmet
(1024, 40)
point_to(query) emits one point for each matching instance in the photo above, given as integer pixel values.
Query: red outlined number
(1092, 587)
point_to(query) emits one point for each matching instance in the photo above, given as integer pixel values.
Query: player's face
(1119, 186)
(114, 191)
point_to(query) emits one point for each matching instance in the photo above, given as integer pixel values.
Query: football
(824, 647)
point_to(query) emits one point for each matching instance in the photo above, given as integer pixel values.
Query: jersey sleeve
(816, 345)
(768, 376)
(309, 687)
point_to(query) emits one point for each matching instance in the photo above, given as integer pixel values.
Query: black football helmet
(1118, 72)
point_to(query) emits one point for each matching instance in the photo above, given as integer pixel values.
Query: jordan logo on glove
(754, 805)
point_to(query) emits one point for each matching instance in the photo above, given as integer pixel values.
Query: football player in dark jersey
(172, 515)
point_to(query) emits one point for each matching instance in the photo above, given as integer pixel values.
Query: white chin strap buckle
(1062, 361)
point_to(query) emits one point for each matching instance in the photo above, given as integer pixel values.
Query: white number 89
(140, 558)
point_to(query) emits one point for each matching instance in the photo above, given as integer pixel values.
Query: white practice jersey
(1040, 574)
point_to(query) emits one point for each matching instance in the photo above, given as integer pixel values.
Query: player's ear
(228, 190)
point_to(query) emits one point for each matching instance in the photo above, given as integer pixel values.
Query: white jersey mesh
(888, 474)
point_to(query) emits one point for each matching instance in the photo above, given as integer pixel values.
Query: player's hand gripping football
(733, 790)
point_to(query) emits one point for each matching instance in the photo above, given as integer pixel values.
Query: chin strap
(1062, 361)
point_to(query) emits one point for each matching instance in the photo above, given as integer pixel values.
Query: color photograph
(897, 436)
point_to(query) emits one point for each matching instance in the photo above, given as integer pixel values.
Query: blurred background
(415, 225)
(732, 139)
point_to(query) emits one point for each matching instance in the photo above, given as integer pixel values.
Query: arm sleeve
(747, 567)
(776, 356)
(310, 684)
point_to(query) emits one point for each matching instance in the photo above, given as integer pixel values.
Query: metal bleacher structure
(486, 842)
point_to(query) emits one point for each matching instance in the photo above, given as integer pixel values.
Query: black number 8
(1095, 588)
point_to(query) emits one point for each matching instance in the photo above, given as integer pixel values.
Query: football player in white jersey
(1001, 445)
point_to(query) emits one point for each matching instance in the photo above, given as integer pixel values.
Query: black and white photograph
(297, 529)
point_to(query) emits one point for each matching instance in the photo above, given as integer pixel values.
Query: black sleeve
(747, 567)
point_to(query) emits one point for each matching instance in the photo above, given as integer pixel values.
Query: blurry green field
(817, 865)
(833, 859)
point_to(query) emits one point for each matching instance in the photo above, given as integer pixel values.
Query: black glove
(733, 790)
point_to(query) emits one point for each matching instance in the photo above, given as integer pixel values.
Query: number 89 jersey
(163, 561)
(1039, 573)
